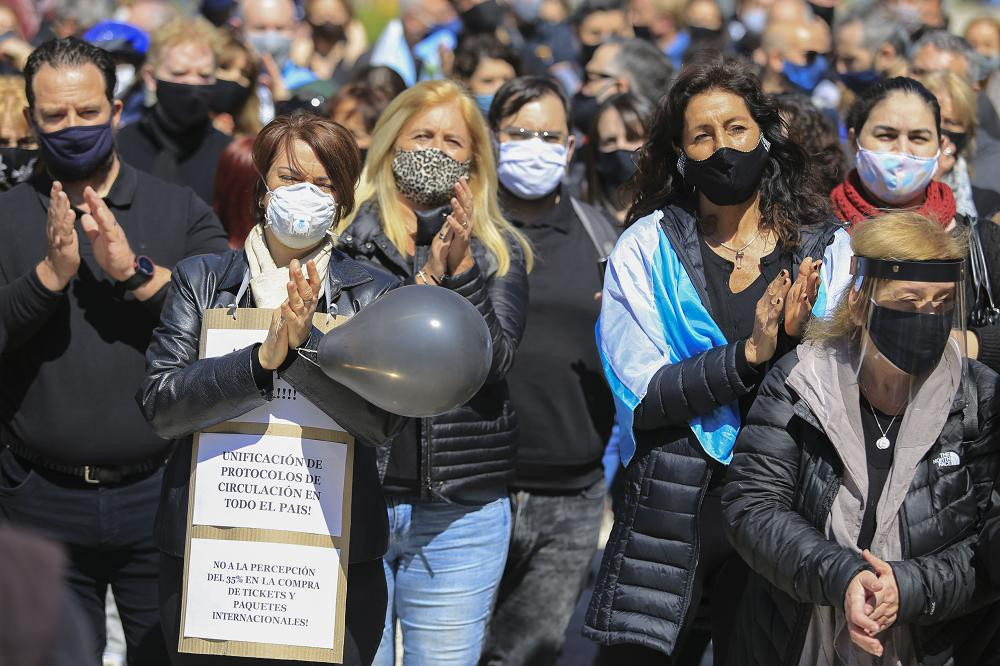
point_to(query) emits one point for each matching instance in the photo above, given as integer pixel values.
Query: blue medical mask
(755, 20)
(858, 82)
(484, 102)
(806, 77)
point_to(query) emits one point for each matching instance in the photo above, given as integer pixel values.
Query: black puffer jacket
(471, 449)
(777, 502)
(643, 588)
(182, 395)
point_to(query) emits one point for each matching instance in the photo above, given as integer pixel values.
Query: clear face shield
(912, 317)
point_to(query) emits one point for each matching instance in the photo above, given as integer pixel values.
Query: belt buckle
(88, 478)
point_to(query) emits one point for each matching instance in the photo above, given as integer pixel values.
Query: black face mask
(615, 168)
(587, 52)
(704, 35)
(960, 139)
(584, 109)
(229, 97)
(727, 177)
(642, 32)
(184, 105)
(825, 13)
(17, 166)
(911, 341)
(328, 32)
(484, 17)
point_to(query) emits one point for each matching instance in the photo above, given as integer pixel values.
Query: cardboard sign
(265, 568)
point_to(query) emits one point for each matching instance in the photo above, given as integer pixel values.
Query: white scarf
(268, 283)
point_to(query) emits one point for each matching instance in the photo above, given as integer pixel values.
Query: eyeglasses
(522, 134)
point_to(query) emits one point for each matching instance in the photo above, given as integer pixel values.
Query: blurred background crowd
(198, 81)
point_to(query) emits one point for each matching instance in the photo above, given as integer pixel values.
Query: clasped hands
(783, 297)
(871, 604)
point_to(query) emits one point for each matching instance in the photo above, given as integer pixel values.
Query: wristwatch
(144, 269)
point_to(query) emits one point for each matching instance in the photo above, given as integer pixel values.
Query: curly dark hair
(788, 199)
(808, 127)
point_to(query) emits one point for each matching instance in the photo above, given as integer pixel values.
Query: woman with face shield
(896, 129)
(861, 483)
(714, 279)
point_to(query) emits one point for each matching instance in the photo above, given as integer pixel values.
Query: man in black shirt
(175, 140)
(77, 460)
(563, 404)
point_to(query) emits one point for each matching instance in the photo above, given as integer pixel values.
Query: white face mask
(531, 169)
(125, 77)
(299, 215)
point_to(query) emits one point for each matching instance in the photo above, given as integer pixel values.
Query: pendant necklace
(883, 442)
(740, 252)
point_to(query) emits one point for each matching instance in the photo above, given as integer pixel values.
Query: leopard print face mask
(427, 176)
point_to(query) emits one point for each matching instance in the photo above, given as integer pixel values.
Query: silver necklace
(883, 442)
(740, 252)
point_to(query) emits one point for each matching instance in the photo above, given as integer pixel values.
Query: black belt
(93, 474)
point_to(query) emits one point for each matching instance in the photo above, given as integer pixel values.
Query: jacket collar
(835, 405)
(343, 273)
(365, 234)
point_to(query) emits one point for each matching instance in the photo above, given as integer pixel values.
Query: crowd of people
(737, 261)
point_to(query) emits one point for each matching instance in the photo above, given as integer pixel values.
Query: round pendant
(882, 443)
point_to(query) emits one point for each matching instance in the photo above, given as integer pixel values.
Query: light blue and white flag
(651, 316)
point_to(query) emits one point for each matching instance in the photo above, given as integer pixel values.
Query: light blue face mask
(484, 102)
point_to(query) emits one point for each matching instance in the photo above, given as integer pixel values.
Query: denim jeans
(108, 535)
(554, 540)
(442, 570)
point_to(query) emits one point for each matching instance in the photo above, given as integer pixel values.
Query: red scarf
(851, 205)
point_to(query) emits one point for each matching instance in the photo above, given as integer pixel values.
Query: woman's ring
(443, 235)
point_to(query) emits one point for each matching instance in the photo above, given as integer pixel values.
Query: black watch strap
(143, 274)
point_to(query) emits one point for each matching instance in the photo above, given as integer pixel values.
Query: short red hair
(235, 181)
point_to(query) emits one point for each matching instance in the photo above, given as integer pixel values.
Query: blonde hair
(13, 101)
(900, 236)
(377, 181)
(963, 97)
(184, 30)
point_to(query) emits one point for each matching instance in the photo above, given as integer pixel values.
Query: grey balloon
(416, 351)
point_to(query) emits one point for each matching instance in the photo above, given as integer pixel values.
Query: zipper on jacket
(427, 490)
(803, 620)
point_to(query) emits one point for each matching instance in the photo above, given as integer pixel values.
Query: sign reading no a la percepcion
(263, 593)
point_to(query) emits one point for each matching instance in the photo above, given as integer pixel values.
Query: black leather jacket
(467, 453)
(182, 394)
